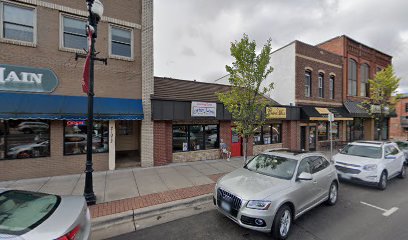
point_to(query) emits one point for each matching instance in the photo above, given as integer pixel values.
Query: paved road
(348, 220)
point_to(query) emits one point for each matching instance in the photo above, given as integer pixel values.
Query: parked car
(370, 162)
(29, 150)
(403, 146)
(274, 188)
(32, 127)
(39, 216)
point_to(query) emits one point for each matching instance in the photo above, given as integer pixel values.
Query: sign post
(331, 119)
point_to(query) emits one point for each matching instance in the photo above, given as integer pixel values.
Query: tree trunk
(245, 149)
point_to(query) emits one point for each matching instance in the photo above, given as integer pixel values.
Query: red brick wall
(163, 146)
(334, 45)
(396, 131)
(291, 135)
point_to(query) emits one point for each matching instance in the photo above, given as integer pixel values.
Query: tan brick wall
(193, 156)
(120, 79)
(257, 149)
(55, 165)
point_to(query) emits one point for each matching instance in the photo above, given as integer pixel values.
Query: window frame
(332, 80)
(308, 83)
(16, 41)
(364, 76)
(262, 142)
(132, 43)
(320, 80)
(61, 32)
(204, 138)
(350, 77)
(327, 131)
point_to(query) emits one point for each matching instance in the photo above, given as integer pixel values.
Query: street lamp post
(95, 9)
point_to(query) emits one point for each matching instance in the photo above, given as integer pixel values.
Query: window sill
(18, 42)
(121, 58)
(71, 50)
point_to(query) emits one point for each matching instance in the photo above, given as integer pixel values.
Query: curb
(134, 220)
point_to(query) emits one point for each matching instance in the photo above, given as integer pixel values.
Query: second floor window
(406, 107)
(18, 23)
(321, 85)
(331, 87)
(364, 88)
(121, 42)
(308, 84)
(74, 33)
(352, 78)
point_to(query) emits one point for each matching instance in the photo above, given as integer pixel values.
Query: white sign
(330, 117)
(203, 109)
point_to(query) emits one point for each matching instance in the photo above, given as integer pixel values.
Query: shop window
(75, 137)
(321, 85)
(195, 137)
(74, 34)
(352, 78)
(268, 134)
(335, 130)
(24, 139)
(308, 84)
(18, 22)
(406, 107)
(211, 136)
(121, 42)
(125, 128)
(322, 131)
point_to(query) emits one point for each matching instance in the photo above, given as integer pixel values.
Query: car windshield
(22, 211)
(362, 151)
(273, 166)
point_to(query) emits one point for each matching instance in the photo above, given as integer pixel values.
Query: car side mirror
(390, 157)
(304, 176)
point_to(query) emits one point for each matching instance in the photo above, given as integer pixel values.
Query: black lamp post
(95, 9)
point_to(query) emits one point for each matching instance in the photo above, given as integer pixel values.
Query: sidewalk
(128, 189)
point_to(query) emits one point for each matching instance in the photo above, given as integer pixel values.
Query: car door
(306, 190)
(322, 175)
(391, 159)
(399, 159)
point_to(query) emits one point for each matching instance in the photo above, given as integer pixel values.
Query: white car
(370, 162)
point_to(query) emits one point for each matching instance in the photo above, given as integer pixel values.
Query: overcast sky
(192, 37)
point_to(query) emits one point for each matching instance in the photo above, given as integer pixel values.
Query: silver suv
(274, 188)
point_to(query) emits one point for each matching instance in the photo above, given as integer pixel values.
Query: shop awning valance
(355, 109)
(56, 107)
(313, 113)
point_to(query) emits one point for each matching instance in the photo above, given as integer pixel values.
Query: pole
(88, 189)
(331, 140)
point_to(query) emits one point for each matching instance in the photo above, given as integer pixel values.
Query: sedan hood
(355, 160)
(250, 185)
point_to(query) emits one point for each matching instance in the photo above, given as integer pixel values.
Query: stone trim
(82, 13)
(319, 102)
(318, 60)
(308, 69)
(193, 156)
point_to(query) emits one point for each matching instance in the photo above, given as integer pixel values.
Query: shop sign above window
(26, 79)
(203, 109)
(275, 112)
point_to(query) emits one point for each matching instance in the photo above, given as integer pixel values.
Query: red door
(236, 146)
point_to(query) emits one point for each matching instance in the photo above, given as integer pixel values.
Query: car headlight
(370, 167)
(257, 204)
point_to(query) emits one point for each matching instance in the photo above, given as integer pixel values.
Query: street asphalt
(359, 214)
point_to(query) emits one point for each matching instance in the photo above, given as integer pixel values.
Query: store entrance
(302, 138)
(127, 144)
(236, 143)
(312, 138)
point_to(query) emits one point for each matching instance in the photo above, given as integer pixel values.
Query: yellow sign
(322, 110)
(275, 112)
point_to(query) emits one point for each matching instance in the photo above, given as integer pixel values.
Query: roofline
(192, 81)
(344, 35)
(328, 52)
(284, 47)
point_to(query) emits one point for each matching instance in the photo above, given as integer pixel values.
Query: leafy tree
(245, 100)
(383, 89)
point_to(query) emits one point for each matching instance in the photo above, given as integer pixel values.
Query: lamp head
(97, 8)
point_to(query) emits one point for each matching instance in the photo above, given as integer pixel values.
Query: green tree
(383, 95)
(246, 100)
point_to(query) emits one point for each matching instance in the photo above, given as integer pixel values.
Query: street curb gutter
(134, 220)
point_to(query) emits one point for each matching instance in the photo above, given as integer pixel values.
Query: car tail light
(71, 235)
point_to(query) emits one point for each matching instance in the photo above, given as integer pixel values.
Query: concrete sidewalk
(130, 183)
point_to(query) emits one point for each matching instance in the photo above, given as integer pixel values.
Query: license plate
(226, 206)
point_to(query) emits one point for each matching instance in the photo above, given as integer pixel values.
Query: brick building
(190, 122)
(360, 63)
(398, 125)
(43, 110)
(311, 78)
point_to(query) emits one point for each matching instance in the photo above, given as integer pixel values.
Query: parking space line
(386, 212)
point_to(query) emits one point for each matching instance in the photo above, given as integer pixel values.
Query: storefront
(44, 134)
(190, 123)
(315, 127)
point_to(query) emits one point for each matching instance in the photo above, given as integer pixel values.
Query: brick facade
(398, 126)
(163, 143)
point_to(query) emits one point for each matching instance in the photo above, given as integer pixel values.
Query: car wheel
(333, 194)
(282, 223)
(382, 184)
(403, 172)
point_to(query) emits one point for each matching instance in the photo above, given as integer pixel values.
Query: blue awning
(55, 107)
